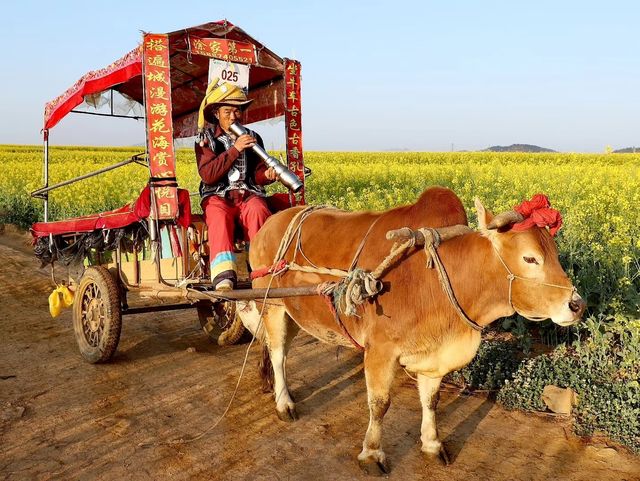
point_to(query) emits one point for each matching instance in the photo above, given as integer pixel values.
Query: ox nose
(577, 306)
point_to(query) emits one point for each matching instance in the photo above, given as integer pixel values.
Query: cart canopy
(168, 74)
(189, 76)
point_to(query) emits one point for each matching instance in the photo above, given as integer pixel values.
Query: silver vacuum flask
(288, 178)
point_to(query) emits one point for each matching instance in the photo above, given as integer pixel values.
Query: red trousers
(220, 215)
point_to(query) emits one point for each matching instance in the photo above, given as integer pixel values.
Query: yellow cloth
(60, 298)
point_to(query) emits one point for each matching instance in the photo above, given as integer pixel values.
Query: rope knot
(431, 236)
(354, 289)
(280, 267)
(275, 269)
(432, 241)
(325, 288)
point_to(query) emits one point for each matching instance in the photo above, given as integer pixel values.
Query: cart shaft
(246, 294)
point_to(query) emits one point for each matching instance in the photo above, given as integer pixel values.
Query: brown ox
(411, 323)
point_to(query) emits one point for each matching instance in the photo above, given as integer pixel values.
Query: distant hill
(628, 150)
(517, 148)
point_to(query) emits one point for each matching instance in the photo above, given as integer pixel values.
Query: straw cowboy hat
(218, 95)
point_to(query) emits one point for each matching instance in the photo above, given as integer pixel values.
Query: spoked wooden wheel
(220, 322)
(97, 319)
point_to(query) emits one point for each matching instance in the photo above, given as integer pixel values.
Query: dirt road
(64, 419)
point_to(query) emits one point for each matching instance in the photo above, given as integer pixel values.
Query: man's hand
(243, 142)
(270, 173)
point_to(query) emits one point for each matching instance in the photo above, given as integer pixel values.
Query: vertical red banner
(293, 124)
(159, 125)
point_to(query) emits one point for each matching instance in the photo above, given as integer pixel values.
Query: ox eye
(530, 260)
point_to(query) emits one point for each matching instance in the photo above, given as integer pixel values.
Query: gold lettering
(198, 45)
(157, 61)
(294, 139)
(157, 76)
(215, 47)
(164, 193)
(160, 158)
(159, 109)
(160, 142)
(158, 93)
(156, 44)
(165, 209)
(159, 126)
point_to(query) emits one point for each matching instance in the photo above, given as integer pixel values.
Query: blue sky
(421, 75)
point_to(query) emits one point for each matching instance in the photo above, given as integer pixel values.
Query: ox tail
(265, 369)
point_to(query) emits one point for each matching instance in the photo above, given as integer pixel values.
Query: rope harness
(512, 277)
(356, 285)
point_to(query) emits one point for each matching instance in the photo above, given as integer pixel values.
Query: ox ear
(484, 216)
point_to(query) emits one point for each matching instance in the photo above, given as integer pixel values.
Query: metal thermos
(288, 178)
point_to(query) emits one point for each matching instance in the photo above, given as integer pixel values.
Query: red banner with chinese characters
(157, 102)
(293, 124)
(223, 49)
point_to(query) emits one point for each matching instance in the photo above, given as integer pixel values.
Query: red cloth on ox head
(538, 211)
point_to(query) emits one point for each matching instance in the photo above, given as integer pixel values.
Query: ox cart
(151, 254)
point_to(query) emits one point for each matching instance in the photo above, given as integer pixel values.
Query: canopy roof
(189, 74)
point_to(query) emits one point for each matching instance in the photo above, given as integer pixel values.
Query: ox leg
(280, 331)
(429, 396)
(379, 373)
(275, 329)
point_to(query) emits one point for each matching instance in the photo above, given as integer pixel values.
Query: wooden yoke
(432, 235)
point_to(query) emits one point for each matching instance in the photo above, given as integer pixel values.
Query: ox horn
(505, 218)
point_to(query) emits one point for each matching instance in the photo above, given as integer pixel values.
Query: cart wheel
(219, 322)
(97, 318)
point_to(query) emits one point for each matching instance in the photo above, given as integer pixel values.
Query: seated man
(232, 176)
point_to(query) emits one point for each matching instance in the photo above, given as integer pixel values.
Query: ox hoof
(288, 415)
(372, 467)
(440, 455)
(443, 456)
(374, 462)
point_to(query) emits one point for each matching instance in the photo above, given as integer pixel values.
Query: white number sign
(235, 73)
